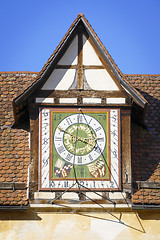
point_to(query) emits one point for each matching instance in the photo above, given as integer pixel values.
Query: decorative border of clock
(79, 146)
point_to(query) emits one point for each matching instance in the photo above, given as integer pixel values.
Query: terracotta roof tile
(14, 150)
(146, 142)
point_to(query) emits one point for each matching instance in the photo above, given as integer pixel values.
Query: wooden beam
(75, 93)
(147, 185)
(66, 67)
(126, 149)
(93, 67)
(75, 67)
(80, 60)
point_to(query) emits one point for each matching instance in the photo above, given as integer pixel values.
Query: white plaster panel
(93, 195)
(117, 195)
(91, 100)
(60, 79)
(89, 55)
(70, 56)
(44, 195)
(70, 195)
(44, 100)
(68, 100)
(99, 79)
(116, 100)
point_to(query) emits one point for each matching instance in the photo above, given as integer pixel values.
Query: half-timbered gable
(80, 81)
(79, 145)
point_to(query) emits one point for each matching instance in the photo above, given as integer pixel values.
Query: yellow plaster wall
(32, 225)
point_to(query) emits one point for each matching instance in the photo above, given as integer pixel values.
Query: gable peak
(80, 15)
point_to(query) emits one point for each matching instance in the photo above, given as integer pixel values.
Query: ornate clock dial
(86, 143)
(79, 139)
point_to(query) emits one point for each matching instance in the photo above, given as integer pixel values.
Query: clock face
(79, 144)
(79, 139)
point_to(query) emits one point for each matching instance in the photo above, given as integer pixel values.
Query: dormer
(79, 111)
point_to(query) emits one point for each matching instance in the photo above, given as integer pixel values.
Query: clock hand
(61, 129)
(78, 138)
(93, 138)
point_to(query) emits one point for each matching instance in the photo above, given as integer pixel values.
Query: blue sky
(32, 29)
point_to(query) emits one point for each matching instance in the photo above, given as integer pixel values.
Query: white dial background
(83, 159)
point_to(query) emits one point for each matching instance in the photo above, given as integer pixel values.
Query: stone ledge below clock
(75, 196)
(81, 207)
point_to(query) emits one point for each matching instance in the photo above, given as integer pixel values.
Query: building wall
(39, 225)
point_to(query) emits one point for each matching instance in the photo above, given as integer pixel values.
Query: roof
(146, 142)
(15, 153)
(52, 61)
(14, 150)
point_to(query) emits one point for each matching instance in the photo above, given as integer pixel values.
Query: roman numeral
(90, 157)
(61, 149)
(69, 121)
(90, 121)
(79, 159)
(101, 139)
(58, 139)
(79, 118)
(69, 157)
(97, 149)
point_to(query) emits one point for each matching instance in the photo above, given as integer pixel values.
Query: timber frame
(26, 105)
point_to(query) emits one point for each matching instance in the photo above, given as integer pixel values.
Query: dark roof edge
(145, 206)
(14, 207)
(145, 74)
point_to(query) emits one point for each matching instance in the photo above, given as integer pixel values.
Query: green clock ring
(79, 139)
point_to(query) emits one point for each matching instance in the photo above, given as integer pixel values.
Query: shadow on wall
(150, 215)
(19, 215)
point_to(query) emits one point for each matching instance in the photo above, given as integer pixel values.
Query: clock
(79, 144)
(79, 138)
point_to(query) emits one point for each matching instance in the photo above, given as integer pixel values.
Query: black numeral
(69, 121)
(65, 184)
(114, 118)
(79, 118)
(61, 149)
(90, 157)
(79, 159)
(45, 141)
(45, 125)
(69, 157)
(97, 129)
(51, 184)
(97, 149)
(45, 162)
(45, 113)
(101, 139)
(114, 133)
(58, 139)
(90, 121)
